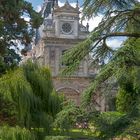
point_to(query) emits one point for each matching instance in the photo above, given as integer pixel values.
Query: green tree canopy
(120, 19)
(13, 26)
(15, 30)
(29, 89)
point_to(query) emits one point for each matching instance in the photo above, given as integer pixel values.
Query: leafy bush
(15, 133)
(67, 118)
(7, 112)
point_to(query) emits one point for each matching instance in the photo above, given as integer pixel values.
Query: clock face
(66, 28)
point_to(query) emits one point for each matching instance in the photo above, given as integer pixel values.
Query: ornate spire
(87, 27)
(56, 4)
(77, 4)
(67, 2)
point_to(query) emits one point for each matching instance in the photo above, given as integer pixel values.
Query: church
(60, 31)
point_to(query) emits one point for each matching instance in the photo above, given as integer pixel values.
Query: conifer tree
(120, 19)
(16, 30)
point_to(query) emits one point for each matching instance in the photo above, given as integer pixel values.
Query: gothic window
(66, 28)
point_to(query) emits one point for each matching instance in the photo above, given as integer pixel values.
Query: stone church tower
(61, 31)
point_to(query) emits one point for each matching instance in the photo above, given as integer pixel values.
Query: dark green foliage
(66, 119)
(30, 90)
(93, 7)
(121, 70)
(7, 112)
(124, 69)
(119, 19)
(78, 53)
(109, 124)
(2, 66)
(12, 24)
(9, 61)
(111, 103)
(134, 130)
(125, 62)
(15, 30)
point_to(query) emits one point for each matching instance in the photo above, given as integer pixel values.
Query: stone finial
(81, 22)
(87, 26)
(77, 4)
(56, 4)
(67, 2)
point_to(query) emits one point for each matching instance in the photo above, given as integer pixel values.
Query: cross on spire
(67, 2)
(77, 3)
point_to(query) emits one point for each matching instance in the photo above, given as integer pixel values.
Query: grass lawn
(76, 133)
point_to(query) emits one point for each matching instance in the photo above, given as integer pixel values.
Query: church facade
(62, 30)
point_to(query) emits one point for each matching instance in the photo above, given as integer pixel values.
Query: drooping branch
(126, 34)
(117, 34)
(115, 23)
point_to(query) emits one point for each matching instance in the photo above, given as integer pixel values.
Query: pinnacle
(67, 2)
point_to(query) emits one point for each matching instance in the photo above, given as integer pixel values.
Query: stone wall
(73, 87)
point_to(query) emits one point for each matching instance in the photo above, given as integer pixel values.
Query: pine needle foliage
(119, 19)
(123, 68)
(112, 124)
(13, 26)
(7, 111)
(93, 7)
(124, 63)
(30, 89)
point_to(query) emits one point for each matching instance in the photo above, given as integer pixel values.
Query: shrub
(15, 133)
(66, 119)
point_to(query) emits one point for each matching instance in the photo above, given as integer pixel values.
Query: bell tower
(66, 20)
(60, 32)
